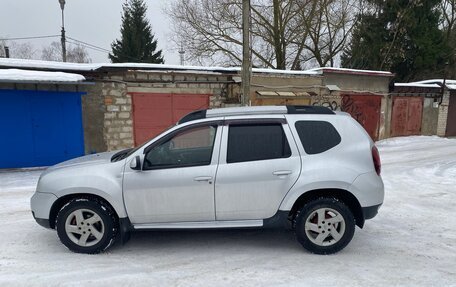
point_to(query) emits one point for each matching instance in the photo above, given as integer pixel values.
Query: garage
(40, 128)
(155, 112)
(365, 109)
(451, 120)
(406, 116)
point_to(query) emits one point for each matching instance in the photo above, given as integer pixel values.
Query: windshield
(129, 151)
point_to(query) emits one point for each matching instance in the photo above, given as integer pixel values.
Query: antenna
(182, 54)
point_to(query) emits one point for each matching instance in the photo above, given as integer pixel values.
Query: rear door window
(252, 142)
(317, 136)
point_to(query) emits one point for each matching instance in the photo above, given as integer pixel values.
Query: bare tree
(75, 53)
(18, 50)
(285, 33)
(329, 30)
(448, 16)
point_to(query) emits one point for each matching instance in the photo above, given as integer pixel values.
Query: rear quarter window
(317, 136)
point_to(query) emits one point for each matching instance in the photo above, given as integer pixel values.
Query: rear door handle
(202, 178)
(282, 172)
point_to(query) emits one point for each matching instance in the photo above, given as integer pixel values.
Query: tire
(86, 225)
(324, 226)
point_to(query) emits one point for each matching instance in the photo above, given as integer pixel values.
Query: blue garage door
(39, 128)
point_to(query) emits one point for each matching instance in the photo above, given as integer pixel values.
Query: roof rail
(256, 110)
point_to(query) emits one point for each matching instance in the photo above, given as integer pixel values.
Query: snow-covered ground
(411, 242)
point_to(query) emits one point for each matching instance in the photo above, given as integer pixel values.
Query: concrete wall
(430, 117)
(93, 108)
(361, 83)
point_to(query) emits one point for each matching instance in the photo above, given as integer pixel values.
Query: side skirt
(201, 224)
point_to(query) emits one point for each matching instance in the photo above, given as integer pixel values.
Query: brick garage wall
(118, 123)
(115, 88)
(443, 115)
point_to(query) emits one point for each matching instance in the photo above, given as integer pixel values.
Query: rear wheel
(324, 226)
(86, 226)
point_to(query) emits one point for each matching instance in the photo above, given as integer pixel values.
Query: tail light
(376, 159)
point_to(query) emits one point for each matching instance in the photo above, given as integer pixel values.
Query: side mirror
(135, 163)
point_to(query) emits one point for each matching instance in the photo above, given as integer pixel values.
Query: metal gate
(451, 119)
(365, 109)
(153, 112)
(406, 116)
(40, 128)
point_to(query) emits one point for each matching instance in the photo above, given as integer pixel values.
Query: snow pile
(411, 242)
(16, 75)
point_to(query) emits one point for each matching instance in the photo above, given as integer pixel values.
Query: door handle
(282, 172)
(202, 178)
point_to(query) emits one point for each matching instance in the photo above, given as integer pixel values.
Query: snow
(50, 65)
(17, 75)
(346, 70)
(433, 83)
(37, 64)
(416, 85)
(411, 242)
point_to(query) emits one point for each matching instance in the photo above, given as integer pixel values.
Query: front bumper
(370, 211)
(41, 221)
(41, 204)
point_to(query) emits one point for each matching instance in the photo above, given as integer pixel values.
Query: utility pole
(246, 61)
(182, 54)
(62, 38)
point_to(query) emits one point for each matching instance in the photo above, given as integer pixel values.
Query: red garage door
(406, 116)
(153, 113)
(366, 110)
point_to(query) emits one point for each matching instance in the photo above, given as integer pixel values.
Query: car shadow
(235, 239)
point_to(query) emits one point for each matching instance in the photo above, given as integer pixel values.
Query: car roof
(256, 110)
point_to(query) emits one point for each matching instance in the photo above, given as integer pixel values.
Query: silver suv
(303, 167)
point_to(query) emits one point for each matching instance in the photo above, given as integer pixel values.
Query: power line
(89, 45)
(97, 48)
(28, 38)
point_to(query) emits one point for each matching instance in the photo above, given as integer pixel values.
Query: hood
(93, 159)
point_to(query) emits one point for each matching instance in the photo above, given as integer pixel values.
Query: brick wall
(118, 118)
(443, 115)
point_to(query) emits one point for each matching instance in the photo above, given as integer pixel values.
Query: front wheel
(324, 226)
(86, 226)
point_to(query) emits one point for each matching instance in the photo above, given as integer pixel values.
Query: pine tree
(137, 43)
(401, 36)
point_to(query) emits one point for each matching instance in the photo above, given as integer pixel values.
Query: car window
(191, 147)
(317, 136)
(251, 142)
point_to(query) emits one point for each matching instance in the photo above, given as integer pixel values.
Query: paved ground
(411, 242)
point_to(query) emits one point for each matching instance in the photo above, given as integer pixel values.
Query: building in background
(122, 105)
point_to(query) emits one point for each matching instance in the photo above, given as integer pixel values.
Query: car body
(222, 168)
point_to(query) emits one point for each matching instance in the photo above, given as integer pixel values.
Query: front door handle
(282, 172)
(202, 178)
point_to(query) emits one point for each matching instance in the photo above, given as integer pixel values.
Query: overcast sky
(93, 21)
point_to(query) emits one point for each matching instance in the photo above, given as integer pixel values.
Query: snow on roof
(16, 75)
(433, 83)
(47, 65)
(415, 85)
(322, 70)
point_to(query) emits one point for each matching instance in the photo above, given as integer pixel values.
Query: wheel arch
(341, 194)
(61, 201)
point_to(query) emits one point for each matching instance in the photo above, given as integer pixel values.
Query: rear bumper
(370, 212)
